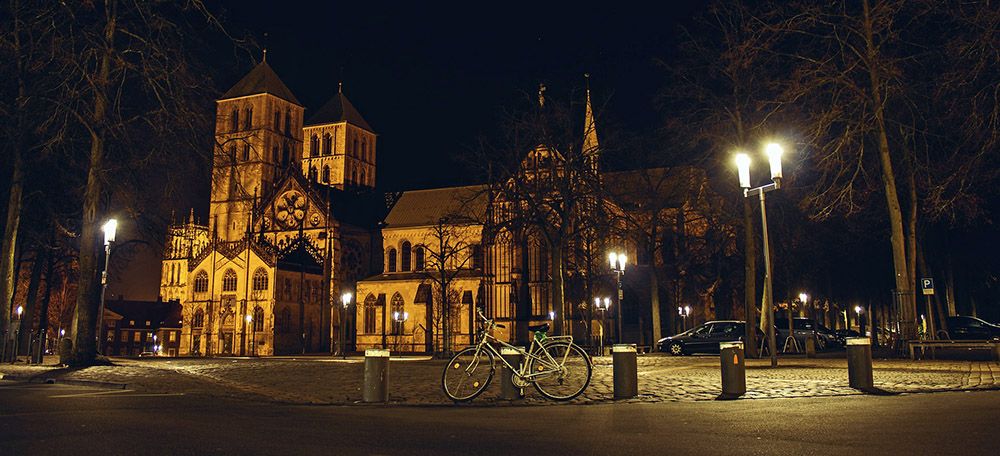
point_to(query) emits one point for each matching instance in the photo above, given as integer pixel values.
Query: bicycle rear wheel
(569, 376)
(467, 374)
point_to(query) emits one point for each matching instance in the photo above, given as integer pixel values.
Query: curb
(51, 380)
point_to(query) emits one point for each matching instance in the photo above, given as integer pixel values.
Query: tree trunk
(43, 319)
(558, 300)
(907, 316)
(89, 286)
(10, 244)
(654, 288)
(30, 305)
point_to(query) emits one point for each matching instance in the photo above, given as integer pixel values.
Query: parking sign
(927, 284)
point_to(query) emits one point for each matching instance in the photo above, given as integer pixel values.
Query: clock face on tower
(290, 209)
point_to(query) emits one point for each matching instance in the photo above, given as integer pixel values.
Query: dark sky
(432, 78)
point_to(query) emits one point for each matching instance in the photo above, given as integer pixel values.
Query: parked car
(843, 334)
(705, 338)
(972, 328)
(805, 328)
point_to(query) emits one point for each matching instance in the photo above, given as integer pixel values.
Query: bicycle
(559, 369)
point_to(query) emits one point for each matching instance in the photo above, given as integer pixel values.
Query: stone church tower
(258, 136)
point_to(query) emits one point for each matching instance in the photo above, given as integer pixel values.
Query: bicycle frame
(485, 342)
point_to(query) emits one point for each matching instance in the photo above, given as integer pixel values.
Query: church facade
(295, 223)
(257, 278)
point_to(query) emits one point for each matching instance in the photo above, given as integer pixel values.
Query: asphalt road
(72, 420)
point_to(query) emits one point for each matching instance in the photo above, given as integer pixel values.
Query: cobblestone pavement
(326, 380)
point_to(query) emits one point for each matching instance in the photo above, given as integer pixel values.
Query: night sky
(432, 78)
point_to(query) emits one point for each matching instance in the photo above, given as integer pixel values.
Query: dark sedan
(971, 328)
(705, 338)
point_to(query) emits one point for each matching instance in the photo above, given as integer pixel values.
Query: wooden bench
(933, 345)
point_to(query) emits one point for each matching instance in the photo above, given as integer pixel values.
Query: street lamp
(17, 333)
(552, 315)
(110, 228)
(602, 305)
(253, 334)
(617, 261)
(773, 152)
(858, 310)
(345, 301)
(684, 312)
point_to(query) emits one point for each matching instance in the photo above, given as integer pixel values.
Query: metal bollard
(376, 388)
(811, 347)
(626, 374)
(859, 363)
(734, 370)
(508, 390)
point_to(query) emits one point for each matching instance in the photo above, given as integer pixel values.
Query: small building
(131, 328)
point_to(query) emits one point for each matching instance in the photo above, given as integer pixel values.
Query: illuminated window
(418, 258)
(201, 282)
(260, 279)
(370, 304)
(404, 257)
(229, 280)
(391, 260)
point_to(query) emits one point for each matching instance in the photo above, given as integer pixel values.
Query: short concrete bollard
(626, 374)
(811, 347)
(734, 370)
(376, 387)
(508, 390)
(859, 363)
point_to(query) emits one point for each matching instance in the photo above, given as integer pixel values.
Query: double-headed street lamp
(684, 312)
(345, 302)
(617, 261)
(110, 228)
(602, 305)
(773, 151)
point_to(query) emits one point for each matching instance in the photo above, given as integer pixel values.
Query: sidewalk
(417, 380)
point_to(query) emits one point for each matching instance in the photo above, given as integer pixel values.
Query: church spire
(590, 144)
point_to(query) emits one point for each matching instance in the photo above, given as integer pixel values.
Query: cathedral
(301, 254)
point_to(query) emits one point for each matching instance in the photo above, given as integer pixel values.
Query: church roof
(339, 109)
(427, 207)
(261, 79)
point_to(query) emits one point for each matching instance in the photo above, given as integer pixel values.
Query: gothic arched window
(246, 152)
(418, 258)
(312, 174)
(229, 280)
(260, 279)
(477, 256)
(398, 315)
(364, 150)
(370, 304)
(354, 176)
(258, 319)
(354, 150)
(234, 120)
(404, 257)
(391, 260)
(326, 174)
(277, 120)
(248, 118)
(327, 144)
(199, 319)
(314, 146)
(363, 178)
(201, 282)
(288, 122)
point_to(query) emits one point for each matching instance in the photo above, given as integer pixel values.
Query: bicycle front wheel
(467, 374)
(569, 371)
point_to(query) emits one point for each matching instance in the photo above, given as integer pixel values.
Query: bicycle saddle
(544, 327)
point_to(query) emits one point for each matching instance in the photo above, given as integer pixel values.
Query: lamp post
(602, 305)
(17, 332)
(858, 310)
(684, 312)
(109, 228)
(253, 332)
(617, 261)
(773, 152)
(345, 301)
